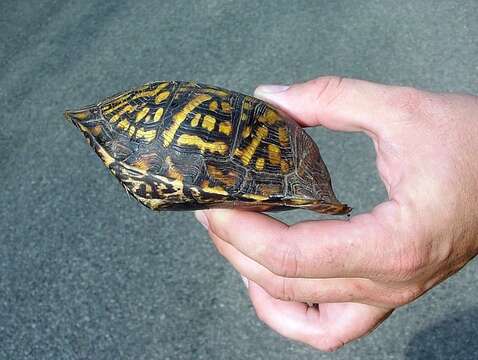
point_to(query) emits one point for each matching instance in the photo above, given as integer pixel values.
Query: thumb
(336, 103)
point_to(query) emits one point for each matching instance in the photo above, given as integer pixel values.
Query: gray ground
(86, 273)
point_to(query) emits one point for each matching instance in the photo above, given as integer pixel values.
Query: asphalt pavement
(87, 273)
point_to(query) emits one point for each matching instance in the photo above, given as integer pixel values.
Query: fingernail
(202, 218)
(246, 281)
(270, 89)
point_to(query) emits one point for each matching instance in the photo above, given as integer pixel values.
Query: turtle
(183, 145)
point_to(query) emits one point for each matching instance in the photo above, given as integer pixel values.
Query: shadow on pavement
(455, 337)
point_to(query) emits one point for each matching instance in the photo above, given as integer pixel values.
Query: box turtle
(177, 145)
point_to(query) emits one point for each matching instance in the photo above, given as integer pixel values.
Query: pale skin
(358, 271)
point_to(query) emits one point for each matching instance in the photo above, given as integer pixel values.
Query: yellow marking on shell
(202, 145)
(195, 120)
(95, 131)
(177, 196)
(82, 127)
(153, 92)
(123, 124)
(215, 92)
(195, 191)
(247, 103)
(114, 108)
(114, 118)
(158, 114)
(161, 186)
(246, 132)
(179, 117)
(254, 197)
(229, 179)
(213, 189)
(161, 97)
(300, 201)
(301, 169)
(172, 171)
(225, 127)
(226, 107)
(284, 166)
(82, 115)
(237, 152)
(208, 122)
(135, 186)
(142, 113)
(283, 136)
(128, 109)
(269, 117)
(260, 164)
(213, 106)
(269, 189)
(105, 157)
(144, 162)
(131, 130)
(148, 135)
(252, 147)
(274, 154)
(244, 116)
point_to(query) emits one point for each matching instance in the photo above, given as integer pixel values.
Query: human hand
(359, 270)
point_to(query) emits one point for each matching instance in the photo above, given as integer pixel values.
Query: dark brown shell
(185, 146)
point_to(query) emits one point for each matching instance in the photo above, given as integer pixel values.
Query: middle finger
(330, 290)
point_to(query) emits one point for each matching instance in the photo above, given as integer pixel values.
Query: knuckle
(406, 295)
(284, 261)
(408, 100)
(358, 292)
(411, 257)
(407, 266)
(328, 88)
(282, 289)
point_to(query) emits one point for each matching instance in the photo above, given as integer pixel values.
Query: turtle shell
(184, 146)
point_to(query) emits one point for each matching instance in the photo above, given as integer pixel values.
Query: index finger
(312, 249)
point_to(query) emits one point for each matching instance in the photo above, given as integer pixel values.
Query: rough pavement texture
(86, 273)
